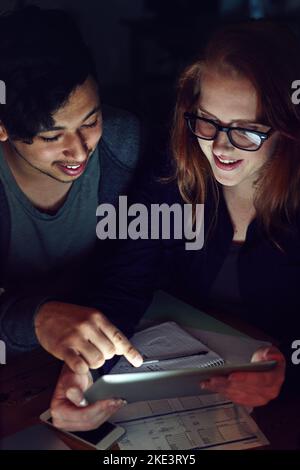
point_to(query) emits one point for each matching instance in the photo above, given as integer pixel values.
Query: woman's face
(232, 101)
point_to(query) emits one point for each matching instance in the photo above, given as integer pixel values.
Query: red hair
(268, 55)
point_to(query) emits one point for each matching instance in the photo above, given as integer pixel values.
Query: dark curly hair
(43, 59)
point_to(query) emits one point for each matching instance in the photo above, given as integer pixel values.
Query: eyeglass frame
(262, 135)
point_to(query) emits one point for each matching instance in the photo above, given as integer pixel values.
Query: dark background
(141, 46)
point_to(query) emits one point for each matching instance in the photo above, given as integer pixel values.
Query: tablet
(141, 386)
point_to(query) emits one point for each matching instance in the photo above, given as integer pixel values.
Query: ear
(3, 133)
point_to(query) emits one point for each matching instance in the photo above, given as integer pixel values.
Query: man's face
(62, 152)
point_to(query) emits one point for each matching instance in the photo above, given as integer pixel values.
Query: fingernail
(120, 403)
(137, 361)
(83, 402)
(117, 403)
(267, 352)
(81, 368)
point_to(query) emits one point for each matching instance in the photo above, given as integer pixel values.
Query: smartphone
(101, 438)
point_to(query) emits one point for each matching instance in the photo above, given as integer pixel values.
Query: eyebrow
(61, 128)
(246, 121)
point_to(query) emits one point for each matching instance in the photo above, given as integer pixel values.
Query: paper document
(206, 421)
(169, 340)
(198, 422)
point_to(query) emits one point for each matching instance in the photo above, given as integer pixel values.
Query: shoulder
(121, 136)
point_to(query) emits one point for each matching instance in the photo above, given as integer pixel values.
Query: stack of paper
(196, 422)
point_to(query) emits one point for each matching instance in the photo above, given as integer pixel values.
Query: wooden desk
(26, 387)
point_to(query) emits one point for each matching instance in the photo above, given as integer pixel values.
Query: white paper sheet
(167, 339)
(199, 422)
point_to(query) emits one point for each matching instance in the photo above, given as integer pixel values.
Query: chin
(61, 179)
(225, 182)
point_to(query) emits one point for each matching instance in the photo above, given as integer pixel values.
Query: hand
(251, 388)
(82, 337)
(69, 409)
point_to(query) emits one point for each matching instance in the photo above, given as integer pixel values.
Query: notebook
(172, 346)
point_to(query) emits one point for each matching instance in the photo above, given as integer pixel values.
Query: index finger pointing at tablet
(122, 344)
(124, 347)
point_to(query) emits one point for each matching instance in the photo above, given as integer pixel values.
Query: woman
(235, 145)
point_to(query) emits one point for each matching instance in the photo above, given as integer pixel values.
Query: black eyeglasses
(240, 137)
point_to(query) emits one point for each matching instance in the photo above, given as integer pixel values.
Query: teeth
(73, 167)
(226, 161)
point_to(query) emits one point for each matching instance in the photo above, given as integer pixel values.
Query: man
(59, 159)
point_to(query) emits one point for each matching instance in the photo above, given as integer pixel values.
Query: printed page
(199, 422)
(165, 341)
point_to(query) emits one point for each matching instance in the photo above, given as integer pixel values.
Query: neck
(242, 192)
(240, 204)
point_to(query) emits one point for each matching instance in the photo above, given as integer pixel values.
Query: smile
(226, 164)
(72, 170)
(72, 167)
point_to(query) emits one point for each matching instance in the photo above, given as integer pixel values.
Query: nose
(76, 147)
(222, 143)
